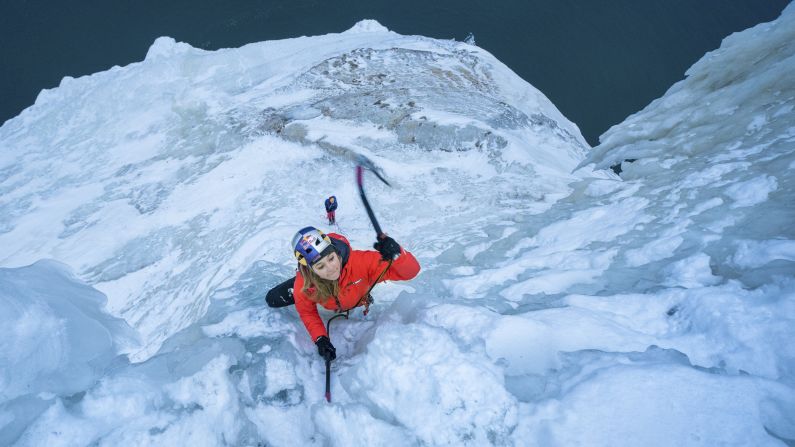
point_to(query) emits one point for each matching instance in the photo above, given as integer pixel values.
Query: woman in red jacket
(332, 274)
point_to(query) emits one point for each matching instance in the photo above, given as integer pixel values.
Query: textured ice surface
(554, 308)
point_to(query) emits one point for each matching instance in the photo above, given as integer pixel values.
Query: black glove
(388, 248)
(325, 348)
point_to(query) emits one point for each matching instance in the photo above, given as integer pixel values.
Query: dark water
(597, 60)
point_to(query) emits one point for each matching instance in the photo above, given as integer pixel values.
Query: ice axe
(362, 162)
(328, 362)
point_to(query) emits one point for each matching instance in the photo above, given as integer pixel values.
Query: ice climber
(331, 209)
(337, 277)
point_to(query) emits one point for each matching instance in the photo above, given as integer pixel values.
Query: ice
(759, 253)
(751, 192)
(67, 338)
(57, 341)
(416, 376)
(192, 182)
(678, 406)
(372, 431)
(367, 26)
(556, 305)
(693, 271)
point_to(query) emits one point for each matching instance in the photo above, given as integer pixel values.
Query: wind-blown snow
(555, 307)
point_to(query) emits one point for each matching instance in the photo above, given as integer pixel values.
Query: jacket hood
(343, 249)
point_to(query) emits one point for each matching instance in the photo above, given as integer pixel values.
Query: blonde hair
(324, 288)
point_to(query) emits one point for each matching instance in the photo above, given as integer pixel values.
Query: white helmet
(310, 244)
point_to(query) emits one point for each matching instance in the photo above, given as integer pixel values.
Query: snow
(710, 411)
(758, 253)
(58, 337)
(147, 209)
(751, 192)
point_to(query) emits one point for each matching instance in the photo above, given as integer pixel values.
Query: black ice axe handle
(328, 381)
(360, 182)
(328, 362)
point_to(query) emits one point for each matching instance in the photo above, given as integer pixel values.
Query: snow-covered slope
(163, 180)
(554, 308)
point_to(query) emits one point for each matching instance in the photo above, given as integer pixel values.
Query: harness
(367, 299)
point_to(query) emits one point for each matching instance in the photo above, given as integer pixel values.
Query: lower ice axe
(328, 362)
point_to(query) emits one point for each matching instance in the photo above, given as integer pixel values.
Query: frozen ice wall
(57, 341)
(554, 308)
(725, 136)
(163, 180)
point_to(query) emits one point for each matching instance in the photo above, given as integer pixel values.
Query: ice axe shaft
(328, 381)
(328, 363)
(360, 183)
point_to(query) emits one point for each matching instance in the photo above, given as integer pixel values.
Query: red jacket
(357, 275)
